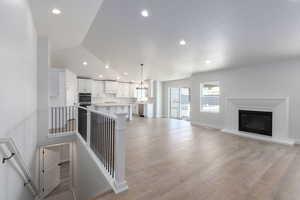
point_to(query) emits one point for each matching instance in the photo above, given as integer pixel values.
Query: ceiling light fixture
(56, 11)
(141, 89)
(182, 42)
(118, 77)
(145, 13)
(208, 61)
(100, 76)
(106, 66)
(125, 73)
(85, 63)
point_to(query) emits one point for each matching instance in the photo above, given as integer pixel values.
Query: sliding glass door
(174, 103)
(185, 103)
(179, 101)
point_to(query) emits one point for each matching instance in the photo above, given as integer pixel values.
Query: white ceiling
(73, 59)
(68, 29)
(229, 33)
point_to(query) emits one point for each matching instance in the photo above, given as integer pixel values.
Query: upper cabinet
(124, 90)
(85, 85)
(98, 89)
(111, 87)
(62, 87)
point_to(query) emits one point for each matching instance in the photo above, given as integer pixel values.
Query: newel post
(76, 112)
(120, 182)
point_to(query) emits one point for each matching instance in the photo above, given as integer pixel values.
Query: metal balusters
(102, 140)
(62, 120)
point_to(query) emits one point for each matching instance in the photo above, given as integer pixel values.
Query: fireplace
(256, 122)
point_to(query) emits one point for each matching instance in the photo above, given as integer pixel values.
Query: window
(179, 103)
(209, 97)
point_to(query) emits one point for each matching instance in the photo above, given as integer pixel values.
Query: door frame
(170, 104)
(41, 164)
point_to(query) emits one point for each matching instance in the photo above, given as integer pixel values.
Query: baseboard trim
(122, 187)
(258, 137)
(98, 196)
(205, 125)
(297, 141)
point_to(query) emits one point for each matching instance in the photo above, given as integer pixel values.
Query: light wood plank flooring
(171, 160)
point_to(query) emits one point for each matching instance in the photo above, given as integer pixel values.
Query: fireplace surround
(279, 107)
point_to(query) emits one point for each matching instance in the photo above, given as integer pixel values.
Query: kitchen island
(112, 108)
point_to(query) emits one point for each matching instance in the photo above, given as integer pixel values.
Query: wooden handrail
(112, 116)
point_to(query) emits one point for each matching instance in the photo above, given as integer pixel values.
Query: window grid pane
(209, 101)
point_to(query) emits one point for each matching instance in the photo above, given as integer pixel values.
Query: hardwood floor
(171, 160)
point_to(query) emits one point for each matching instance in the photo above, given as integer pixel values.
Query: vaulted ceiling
(218, 34)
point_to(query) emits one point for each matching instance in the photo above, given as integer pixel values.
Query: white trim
(201, 95)
(62, 134)
(278, 105)
(259, 137)
(297, 141)
(205, 125)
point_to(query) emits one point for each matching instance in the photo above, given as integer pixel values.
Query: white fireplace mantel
(278, 106)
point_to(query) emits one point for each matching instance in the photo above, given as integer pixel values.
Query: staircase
(101, 135)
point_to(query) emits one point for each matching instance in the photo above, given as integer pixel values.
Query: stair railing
(104, 134)
(16, 158)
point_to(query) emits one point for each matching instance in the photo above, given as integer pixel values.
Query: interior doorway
(56, 169)
(179, 103)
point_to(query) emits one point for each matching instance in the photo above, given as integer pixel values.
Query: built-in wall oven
(85, 99)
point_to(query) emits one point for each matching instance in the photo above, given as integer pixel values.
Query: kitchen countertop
(111, 104)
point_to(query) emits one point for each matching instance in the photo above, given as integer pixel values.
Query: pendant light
(142, 90)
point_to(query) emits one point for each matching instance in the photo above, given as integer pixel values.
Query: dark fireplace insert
(256, 122)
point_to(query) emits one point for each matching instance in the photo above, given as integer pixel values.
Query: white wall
(18, 92)
(157, 90)
(43, 50)
(266, 81)
(88, 179)
(182, 83)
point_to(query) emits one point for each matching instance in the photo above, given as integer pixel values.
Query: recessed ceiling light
(208, 61)
(145, 13)
(100, 76)
(125, 73)
(85, 63)
(182, 42)
(118, 77)
(56, 11)
(106, 66)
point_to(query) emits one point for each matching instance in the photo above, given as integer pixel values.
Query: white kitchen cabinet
(133, 90)
(124, 90)
(85, 85)
(98, 89)
(111, 87)
(62, 87)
